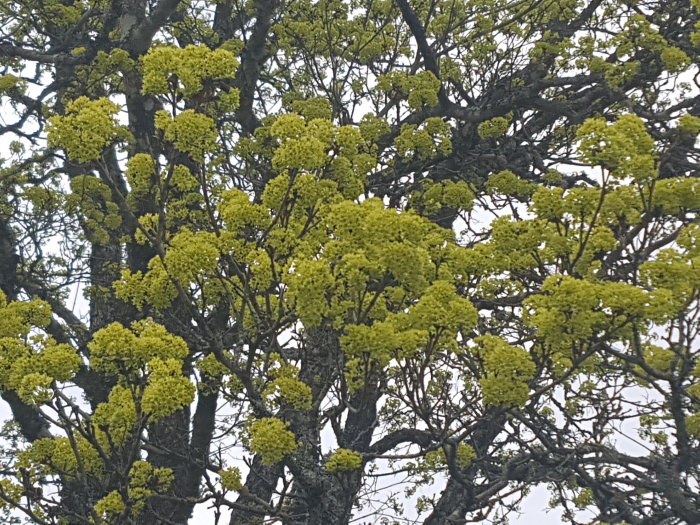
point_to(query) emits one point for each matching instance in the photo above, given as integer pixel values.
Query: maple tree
(451, 244)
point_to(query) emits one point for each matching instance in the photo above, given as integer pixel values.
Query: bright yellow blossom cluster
(86, 128)
(191, 66)
(343, 460)
(270, 438)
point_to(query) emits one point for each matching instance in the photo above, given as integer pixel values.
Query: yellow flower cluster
(436, 460)
(29, 367)
(58, 455)
(231, 479)
(211, 367)
(420, 89)
(309, 287)
(140, 172)
(144, 481)
(313, 108)
(573, 310)
(110, 507)
(149, 359)
(433, 196)
(9, 83)
(189, 131)
(507, 370)
(623, 147)
(87, 127)
(93, 199)
(167, 390)
(304, 153)
(155, 287)
(183, 179)
(492, 128)
(427, 140)
(117, 416)
(508, 183)
(191, 66)
(344, 460)
(291, 391)
(438, 312)
(270, 438)
(117, 350)
(191, 254)
(17, 318)
(31, 375)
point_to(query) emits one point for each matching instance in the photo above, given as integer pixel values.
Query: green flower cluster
(167, 390)
(140, 172)
(689, 124)
(189, 131)
(290, 390)
(10, 83)
(30, 365)
(431, 138)
(91, 199)
(58, 456)
(270, 438)
(624, 147)
(507, 372)
(508, 183)
(344, 460)
(372, 128)
(573, 310)
(117, 350)
(191, 66)
(87, 127)
(117, 416)
(420, 89)
(465, 455)
(435, 195)
(492, 128)
(155, 287)
(231, 478)
(692, 425)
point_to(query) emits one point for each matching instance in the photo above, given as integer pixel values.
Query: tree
(322, 244)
